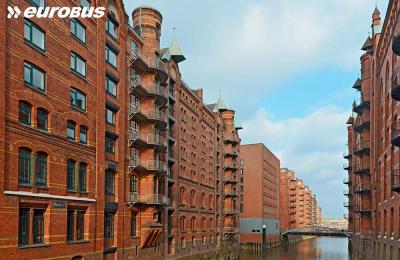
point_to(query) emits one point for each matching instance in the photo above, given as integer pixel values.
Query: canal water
(324, 248)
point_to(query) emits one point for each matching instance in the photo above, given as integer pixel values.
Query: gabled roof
(220, 105)
(367, 44)
(350, 120)
(357, 84)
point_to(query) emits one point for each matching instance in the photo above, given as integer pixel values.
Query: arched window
(42, 119)
(203, 224)
(192, 197)
(193, 223)
(71, 129)
(182, 223)
(182, 196)
(202, 200)
(82, 176)
(193, 241)
(210, 202)
(25, 113)
(41, 169)
(211, 224)
(71, 174)
(183, 242)
(24, 165)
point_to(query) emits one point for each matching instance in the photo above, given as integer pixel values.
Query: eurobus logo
(60, 12)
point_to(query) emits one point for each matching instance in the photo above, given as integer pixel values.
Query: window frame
(31, 67)
(70, 123)
(107, 140)
(42, 115)
(32, 2)
(26, 162)
(108, 80)
(43, 170)
(108, 50)
(75, 23)
(23, 226)
(38, 226)
(113, 116)
(83, 131)
(75, 93)
(26, 112)
(108, 225)
(71, 172)
(116, 26)
(133, 225)
(30, 41)
(83, 177)
(109, 183)
(74, 58)
(88, 1)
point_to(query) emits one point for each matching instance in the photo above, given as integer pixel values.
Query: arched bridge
(317, 231)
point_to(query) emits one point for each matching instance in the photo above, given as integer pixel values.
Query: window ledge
(135, 237)
(79, 75)
(43, 92)
(33, 246)
(79, 110)
(42, 187)
(77, 242)
(79, 40)
(41, 51)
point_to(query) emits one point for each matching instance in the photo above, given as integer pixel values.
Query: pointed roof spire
(220, 105)
(367, 46)
(376, 11)
(174, 51)
(357, 84)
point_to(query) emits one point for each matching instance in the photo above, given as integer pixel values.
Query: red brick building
(298, 206)
(105, 152)
(259, 205)
(373, 144)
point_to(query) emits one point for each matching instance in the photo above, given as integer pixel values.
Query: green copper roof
(174, 51)
(238, 124)
(220, 105)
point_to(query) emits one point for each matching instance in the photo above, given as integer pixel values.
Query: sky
(286, 67)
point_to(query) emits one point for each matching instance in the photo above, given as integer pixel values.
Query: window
(34, 76)
(71, 130)
(80, 225)
(75, 225)
(183, 242)
(110, 183)
(78, 30)
(25, 112)
(108, 225)
(111, 57)
(133, 225)
(70, 225)
(38, 226)
(34, 35)
(110, 145)
(112, 28)
(41, 169)
(82, 177)
(85, 3)
(182, 223)
(24, 165)
(83, 134)
(78, 64)
(38, 3)
(110, 116)
(23, 227)
(71, 175)
(111, 87)
(133, 187)
(42, 119)
(78, 99)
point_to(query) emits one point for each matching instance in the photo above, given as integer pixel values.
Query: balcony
(230, 193)
(231, 153)
(362, 189)
(362, 169)
(149, 199)
(141, 115)
(396, 179)
(346, 181)
(230, 179)
(346, 204)
(230, 166)
(362, 148)
(231, 139)
(346, 156)
(142, 140)
(395, 93)
(148, 62)
(231, 212)
(361, 126)
(147, 166)
(395, 134)
(360, 106)
(346, 167)
(346, 193)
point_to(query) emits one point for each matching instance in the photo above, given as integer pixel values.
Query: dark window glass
(71, 130)
(108, 225)
(34, 35)
(80, 225)
(41, 169)
(24, 166)
(78, 99)
(110, 183)
(71, 175)
(25, 112)
(70, 225)
(112, 28)
(34, 76)
(78, 30)
(23, 227)
(111, 87)
(110, 116)
(110, 145)
(83, 134)
(111, 57)
(38, 226)
(133, 225)
(42, 119)
(82, 177)
(78, 64)
(38, 3)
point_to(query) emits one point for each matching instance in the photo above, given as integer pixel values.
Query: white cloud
(312, 146)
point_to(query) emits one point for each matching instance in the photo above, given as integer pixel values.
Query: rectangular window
(34, 35)
(110, 145)
(78, 64)
(111, 57)
(80, 225)
(70, 175)
(85, 3)
(24, 166)
(110, 183)
(23, 227)
(133, 187)
(82, 177)
(38, 3)
(70, 225)
(71, 130)
(42, 119)
(111, 87)
(25, 113)
(34, 76)
(133, 225)
(83, 134)
(78, 99)
(112, 28)
(38, 226)
(108, 225)
(110, 116)
(78, 30)
(41, 169)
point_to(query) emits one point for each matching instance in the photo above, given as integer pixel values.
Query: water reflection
(326, 248)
